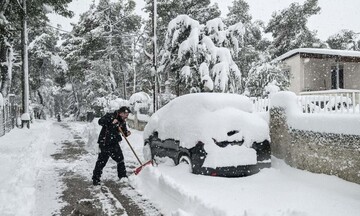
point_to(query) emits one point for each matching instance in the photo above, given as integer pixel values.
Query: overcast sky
(334, 16)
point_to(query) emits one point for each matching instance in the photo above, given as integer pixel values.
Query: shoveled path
(112, 197)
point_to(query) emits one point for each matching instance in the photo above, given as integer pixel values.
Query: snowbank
(277, 191)
(21, 159)
(170, 195)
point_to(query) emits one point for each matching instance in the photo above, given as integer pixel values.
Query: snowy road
(47, 171)
(114, 197)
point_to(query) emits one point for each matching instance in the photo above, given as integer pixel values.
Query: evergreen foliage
(99, 52)
(344, 40)
(252, 44)
(195, 58)
(289, 28)
(263, 73)
(11, 15)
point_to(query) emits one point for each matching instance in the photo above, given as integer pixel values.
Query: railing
(7, 117)
(260, 104)
(329, 101)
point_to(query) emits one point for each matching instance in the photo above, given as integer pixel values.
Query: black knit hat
(124, 109)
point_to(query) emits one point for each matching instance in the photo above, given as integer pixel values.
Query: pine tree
(10, 28)
(251, 44)
(167, 10)
(344, 40)
(45, 66)
(201, 10)
(99, 50)
(289, 30)
(195, 58)
(238, 12)
(264, 73)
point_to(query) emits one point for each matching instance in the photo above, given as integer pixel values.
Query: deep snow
(278, 191)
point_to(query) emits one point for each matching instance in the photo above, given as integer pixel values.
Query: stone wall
(328, 153)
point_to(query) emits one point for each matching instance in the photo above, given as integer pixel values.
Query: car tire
(184, 159)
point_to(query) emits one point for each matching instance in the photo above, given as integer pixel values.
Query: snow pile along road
(21, 156)
(278, 191)
(173, 198)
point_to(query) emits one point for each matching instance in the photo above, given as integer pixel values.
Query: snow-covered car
(214, 133)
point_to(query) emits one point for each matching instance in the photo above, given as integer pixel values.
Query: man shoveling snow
(108, 141)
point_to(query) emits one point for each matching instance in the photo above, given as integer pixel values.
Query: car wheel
(147, 152)
(184, 159)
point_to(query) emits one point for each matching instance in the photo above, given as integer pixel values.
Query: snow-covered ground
(278, 191)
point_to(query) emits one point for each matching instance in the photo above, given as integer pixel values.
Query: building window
(335, 78)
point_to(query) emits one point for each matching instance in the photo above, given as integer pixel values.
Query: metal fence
(8, 116)
(260, 104)
(331, 101)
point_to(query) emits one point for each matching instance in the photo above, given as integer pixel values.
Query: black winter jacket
(109, 134)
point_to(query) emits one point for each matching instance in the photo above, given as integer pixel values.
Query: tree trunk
(77, 102)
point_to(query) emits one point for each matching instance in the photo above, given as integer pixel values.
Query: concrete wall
(328, 153)
(352, 76)
(317, 73)
(296, 75)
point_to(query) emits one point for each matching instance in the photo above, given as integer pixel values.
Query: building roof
(325, 52)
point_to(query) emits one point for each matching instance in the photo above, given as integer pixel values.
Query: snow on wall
(319, 143)
(318, 122)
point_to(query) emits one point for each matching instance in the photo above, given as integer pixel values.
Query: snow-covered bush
(109, 103)
(265, 75)
(140, 102)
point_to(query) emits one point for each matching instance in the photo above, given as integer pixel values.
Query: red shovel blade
(137, 170)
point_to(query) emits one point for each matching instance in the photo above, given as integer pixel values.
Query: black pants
(113, 151)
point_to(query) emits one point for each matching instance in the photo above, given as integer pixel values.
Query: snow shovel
(138, 169)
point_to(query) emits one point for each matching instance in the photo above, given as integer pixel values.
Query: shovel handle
(122, 133)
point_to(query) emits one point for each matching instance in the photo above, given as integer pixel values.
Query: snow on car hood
(217, 124)
(203, 116)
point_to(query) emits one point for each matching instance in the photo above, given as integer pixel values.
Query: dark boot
(121, 170)
(96, 182)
